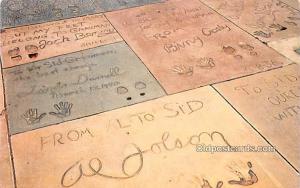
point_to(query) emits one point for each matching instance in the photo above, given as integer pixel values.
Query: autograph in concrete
(94, 167)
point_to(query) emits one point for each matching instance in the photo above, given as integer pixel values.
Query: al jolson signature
(80, 170)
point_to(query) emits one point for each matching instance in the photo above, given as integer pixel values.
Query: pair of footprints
(63, 109)
(138, 85)
(277, 28)
(229, 50)
(252, 179)
(31, 50)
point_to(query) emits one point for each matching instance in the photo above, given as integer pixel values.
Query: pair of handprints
(63, 110)
(188, 70)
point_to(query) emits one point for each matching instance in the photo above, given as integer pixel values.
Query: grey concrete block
(76, 85)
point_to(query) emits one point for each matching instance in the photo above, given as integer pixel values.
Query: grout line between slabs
(13, 173)
(253, 127)
(265, 43)
(137, 55)
(167, 94)
(72, 17)
(211, 85)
